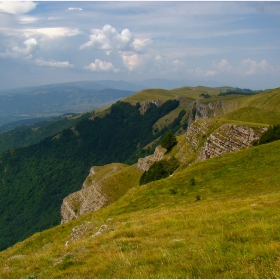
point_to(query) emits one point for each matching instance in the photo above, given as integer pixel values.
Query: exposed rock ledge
(145, 163)
(229, 138)
(90, 198)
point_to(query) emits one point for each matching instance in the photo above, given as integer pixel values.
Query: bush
(272, 134)
(159, 170)
(168, 141)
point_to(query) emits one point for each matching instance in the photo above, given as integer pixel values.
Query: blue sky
(233, 43)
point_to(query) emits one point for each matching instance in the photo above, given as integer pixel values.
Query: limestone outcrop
(208, 138)
(229, 138)
(145, 163)
(90, 198)
(144, 105)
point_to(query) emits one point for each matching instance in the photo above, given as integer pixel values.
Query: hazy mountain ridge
(55, 101)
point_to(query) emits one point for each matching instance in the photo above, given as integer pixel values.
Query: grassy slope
(162, 230)
(260, 108)
(169, 118)
(190, 93)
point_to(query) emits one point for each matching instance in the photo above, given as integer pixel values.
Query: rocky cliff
(208, 138)
(229, 138)
(145, 163)
(91, 197)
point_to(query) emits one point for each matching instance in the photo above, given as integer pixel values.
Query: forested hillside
(33, 131)
(35, 179)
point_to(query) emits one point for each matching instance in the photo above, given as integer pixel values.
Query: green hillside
(34, 180)
(215, 219)
(203, 216)
(260, 108)
(34, 131)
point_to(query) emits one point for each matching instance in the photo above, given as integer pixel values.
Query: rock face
(145, 163)
(90, 198)
(229, 138)
(146, 104)
(208, 138)
(194, 139)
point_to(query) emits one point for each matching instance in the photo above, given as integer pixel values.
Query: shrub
(168, 141)
(272, 134)
(159, 170)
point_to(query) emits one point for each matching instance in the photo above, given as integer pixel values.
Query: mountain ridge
(197, 111)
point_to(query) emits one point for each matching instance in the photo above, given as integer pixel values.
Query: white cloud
(158, 58)
(50, 33)
(250, 67)
(26, 19)
(100, 66)
(201, 73)
(210, 73)
(53, 63)
(223, 66)
(31, 46)
(73, 9)
(16, 7)
(108, 39)
(176, 62)
(53, 32)
(140, 44)
(135, 61)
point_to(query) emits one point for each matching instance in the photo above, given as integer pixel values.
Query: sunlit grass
(152, 232)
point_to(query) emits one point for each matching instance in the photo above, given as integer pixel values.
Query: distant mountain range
(74, 97)
(120, 85)
(55, 100)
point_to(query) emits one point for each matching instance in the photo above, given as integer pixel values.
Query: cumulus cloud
(223, 66)
(31, 46)
(53, 63)
(250, 67)
(131, 61)
(101, 66)
(16, 7)
(108, 39)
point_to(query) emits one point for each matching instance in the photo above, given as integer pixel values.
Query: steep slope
(215, 219)
(204, 139)
(34, 131)
(34, 180)
(103, 186)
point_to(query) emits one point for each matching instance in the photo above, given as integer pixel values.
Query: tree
(168, 141)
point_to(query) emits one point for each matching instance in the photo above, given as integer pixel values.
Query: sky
(233, 43)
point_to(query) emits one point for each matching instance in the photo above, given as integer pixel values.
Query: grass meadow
(215, 219)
